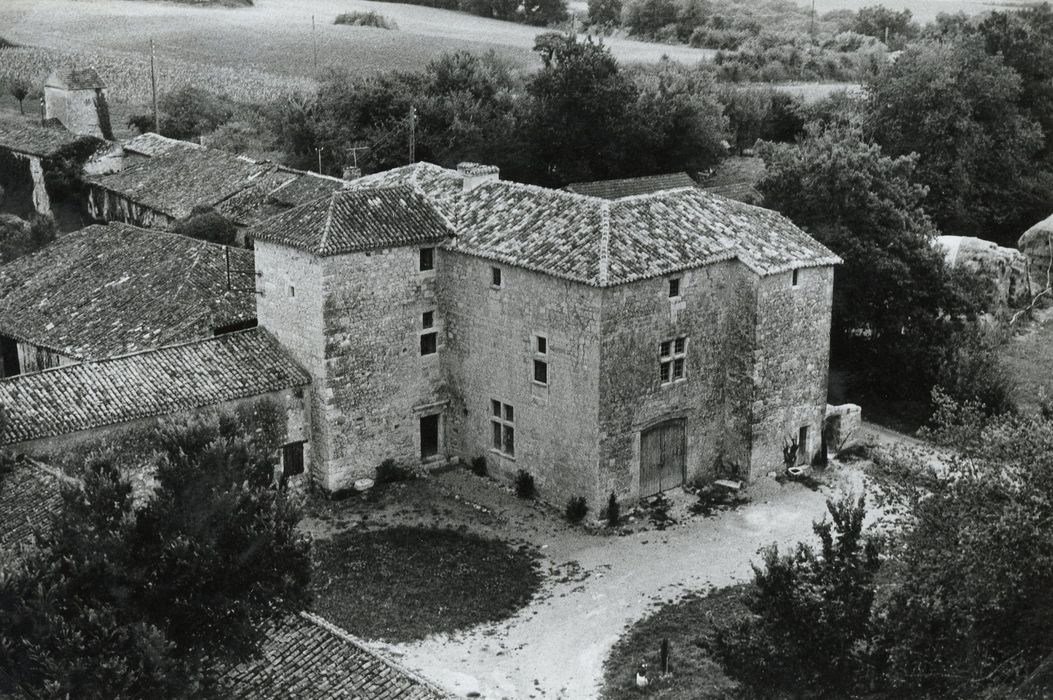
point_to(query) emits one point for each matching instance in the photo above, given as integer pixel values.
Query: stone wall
(22, 182)
(289, 306)
(715, 313)
(377, 384)
(80, 111)
(792, 359)
(33, 358)
(104, 205)
(489, 353)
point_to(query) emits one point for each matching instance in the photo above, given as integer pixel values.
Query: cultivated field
(923, 10)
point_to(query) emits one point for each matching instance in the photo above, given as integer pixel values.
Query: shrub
(391, 471)
(366, 19)
(577, 509)
(525, 484)
(206, 224)
(613, 511)
(478, 466)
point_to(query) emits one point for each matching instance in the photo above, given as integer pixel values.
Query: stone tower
(76, 98)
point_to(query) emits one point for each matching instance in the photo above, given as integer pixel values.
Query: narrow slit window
(292, 290)
(495, 276)
(427, 259)
(793, 280)
(672, 360)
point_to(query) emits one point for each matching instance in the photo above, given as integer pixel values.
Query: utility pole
(412, 135)
(319, 150)
(153, 86)
(314, 42)
(811, 30)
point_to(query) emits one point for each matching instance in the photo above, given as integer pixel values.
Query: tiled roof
(616, 189)
(29, 494)
(115, 289)
(274, 193)
(29, 137)
(607, 242)
(357, 219)
(151, 145)
(154, 383)
(180, 179)
(75, 79)
(308, 658)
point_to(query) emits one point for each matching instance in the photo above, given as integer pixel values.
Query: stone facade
(81, 111)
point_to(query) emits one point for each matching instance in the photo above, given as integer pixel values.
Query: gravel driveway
(598, 585)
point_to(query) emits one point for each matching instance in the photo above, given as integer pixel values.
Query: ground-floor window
(292, 459)
(502, 423)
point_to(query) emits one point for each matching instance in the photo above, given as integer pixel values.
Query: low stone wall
(843, 426)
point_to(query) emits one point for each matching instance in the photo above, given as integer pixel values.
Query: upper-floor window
(427, 259)
(427, 319)
(502, 423)
(674, 287)
(541, 361)
(793, 278)
(495, 276)
(672, 354)
(542, 345)
(429, 341)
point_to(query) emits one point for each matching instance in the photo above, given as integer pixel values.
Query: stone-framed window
(541, 360)
(502, 424)
(794, 278)
(495, 277)
(674, 288)
(427, 259)
(427, 319)
(672, 359)
(429, 339)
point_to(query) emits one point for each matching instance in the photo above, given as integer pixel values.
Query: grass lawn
(404, 583)
(688, 624)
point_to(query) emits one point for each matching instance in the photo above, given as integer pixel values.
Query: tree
(894, 28)
(896, 304)
(605, 13)
(187, 113)
(956, 107)
(579, 119)
(140, 594)
(811, 627)
(969, 607)
(19, 89)
(206, 224)
(18, 237)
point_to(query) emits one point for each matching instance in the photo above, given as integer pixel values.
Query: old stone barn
(623, 345)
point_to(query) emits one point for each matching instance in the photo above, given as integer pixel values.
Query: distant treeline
(536, 12)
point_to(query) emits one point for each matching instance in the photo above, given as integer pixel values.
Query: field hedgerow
(366, 19)
(127, 75)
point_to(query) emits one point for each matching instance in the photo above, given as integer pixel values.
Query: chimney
(352, 172)
(475, 174)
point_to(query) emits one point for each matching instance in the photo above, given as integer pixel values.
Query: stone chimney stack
(475, 174)
(76, 98)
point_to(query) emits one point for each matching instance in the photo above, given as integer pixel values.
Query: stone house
(28, 152)
(76, 97)
(603, 345)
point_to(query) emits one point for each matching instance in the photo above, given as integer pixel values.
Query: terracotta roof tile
(29, 494)
(604, 242)
(308, 658)
(627, 187)
(153, 383)
(151, 145)
(29, 137)
(115, 289)
(357, 219)
(75, 79)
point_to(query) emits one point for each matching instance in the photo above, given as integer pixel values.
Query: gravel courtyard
(596, 584)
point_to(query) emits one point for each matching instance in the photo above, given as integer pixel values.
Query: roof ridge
(328, 223)
(112, 358)
(605, 243)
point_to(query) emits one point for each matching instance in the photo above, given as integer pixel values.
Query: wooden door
(662, 457)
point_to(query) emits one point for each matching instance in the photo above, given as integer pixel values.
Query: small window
(542, 345)
(292, 459)
(672, 356)
(428, 343)
(495, 276)
(503, 428)
(674, 287)
(292, 291)
(793, 280)
(427, 259)
(540, 371)
(427, 319)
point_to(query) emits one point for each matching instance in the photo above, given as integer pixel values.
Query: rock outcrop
(1005, 268)
(1037, 246)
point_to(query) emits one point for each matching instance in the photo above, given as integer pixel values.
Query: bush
(525, 484)
(478, 466)
(391, 471)
(206, 224)
(613, 511)
(366, 19)
(577, 509)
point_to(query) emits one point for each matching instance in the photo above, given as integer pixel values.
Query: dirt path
(555, 648)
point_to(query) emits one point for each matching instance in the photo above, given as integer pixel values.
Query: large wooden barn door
(662, 457)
